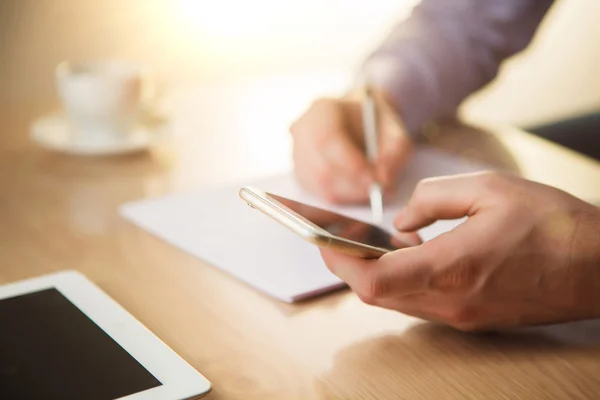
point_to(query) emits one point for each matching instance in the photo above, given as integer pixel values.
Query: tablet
(61, 337)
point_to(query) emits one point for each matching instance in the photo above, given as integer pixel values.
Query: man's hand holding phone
(528, 254)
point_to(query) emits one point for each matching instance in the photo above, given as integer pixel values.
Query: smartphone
(324, 228)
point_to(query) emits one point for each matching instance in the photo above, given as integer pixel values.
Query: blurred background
(189, 42)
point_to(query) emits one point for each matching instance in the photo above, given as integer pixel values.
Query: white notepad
(215, 225)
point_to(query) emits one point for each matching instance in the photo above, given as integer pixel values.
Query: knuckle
(462, 317)
(319, 102)
(372, 287)
(323, 102)
(372, 301)
(419, 195)
(422, 187)
(491, 180)
(458, 274)
(322, 108)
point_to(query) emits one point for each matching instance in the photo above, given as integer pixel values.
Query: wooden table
(59, 212)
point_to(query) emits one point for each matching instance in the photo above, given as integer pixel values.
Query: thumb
(395, 146)
(440, 198)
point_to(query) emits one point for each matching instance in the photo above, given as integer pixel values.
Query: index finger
(447, 197)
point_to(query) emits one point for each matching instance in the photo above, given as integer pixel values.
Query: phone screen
(344, 227)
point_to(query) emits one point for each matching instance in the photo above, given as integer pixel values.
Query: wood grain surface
(60, 212)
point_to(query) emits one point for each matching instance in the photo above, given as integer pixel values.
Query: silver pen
(369, 114)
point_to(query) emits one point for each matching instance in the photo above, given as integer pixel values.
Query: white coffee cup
(103, 100)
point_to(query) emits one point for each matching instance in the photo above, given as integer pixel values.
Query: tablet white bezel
(179, 380)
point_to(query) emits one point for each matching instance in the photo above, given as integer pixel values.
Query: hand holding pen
(329, 148)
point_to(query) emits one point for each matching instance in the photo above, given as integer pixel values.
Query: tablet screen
(50, 349)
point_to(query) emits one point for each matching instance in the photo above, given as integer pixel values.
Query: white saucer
(53, 132)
